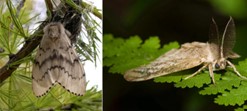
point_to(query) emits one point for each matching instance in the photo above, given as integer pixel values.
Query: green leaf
(111, 46)
(174, 77)
(241, 67)
(227, 82)
(178, 78)
(241, 108)
(234, 96)
(123, 55)
(197, 81)
(151, 43)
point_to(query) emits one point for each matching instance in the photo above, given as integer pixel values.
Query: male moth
(57, 62)
(212, 55)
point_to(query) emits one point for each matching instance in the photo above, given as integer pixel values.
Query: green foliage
(133, 52)
(227, 82)
(242, 108)
(233, 97)
(196, 81)
(88, 47)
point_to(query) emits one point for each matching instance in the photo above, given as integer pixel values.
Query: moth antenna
(214, 33)
(214, 39)
(228, 38)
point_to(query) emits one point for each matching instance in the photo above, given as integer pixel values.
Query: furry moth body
(57, 62)
(212, 55)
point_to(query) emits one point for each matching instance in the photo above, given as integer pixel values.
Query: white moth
(212, 55)
(57, 62)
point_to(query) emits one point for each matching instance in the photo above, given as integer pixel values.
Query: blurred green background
(171, 20)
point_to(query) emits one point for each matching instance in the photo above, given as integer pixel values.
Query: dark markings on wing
(56, 57)
(61, 68)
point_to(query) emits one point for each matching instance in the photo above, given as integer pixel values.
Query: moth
(212, 55)
(56, 61)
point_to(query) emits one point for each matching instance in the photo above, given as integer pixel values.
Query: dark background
(171, 20)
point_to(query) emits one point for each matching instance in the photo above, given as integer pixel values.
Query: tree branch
(27, 48)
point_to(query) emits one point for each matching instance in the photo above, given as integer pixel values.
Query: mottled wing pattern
(57, 62)
(188, 56)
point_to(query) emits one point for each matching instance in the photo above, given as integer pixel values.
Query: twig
(95, 11)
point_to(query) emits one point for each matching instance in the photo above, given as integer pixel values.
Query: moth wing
(43, 79)
(72, 77)
(188, 56)
(63, 67)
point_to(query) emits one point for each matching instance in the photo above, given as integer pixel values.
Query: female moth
(213, 54)
(57, 62)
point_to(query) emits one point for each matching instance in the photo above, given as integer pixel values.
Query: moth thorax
(53, 32)
(220, 64)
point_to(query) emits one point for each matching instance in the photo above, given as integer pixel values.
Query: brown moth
(212, 55)
(57, 62)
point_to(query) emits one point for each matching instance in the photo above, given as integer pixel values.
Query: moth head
(220, 64)
(53, 30)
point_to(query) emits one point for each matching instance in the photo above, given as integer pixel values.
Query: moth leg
(211, 72)
(199, 70)
(235, 70)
